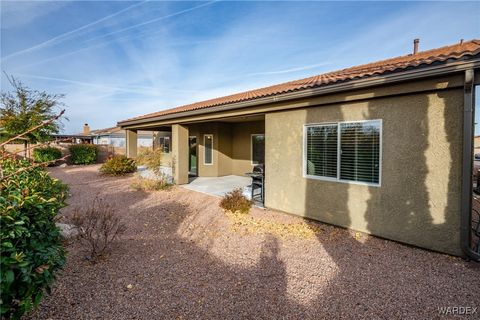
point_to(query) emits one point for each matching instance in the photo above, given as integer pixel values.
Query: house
(79, 138)
(115, 137)
(383, 148)
(476, 144)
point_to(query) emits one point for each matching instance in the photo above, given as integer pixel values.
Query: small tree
(23, 108)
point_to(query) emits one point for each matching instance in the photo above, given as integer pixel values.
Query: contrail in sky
(151, 21)
(66, 35)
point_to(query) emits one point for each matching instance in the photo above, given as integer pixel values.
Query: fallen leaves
(249, 224)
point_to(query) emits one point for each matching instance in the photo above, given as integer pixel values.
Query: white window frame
(251, 146)
(205, 150)
(337, 179)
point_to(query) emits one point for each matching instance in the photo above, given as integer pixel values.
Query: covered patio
(213, 156)
(219, 186)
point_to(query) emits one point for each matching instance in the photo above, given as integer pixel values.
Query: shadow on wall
(418, 201)
(420, 193)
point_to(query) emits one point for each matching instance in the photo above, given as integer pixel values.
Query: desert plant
(98, 227)
(152, 159)
(235, 201)
(143, 184)
(46, 154)
(118, 165)
(31, 249)
(83, 153)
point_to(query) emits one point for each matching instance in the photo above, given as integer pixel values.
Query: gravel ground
(183, 260)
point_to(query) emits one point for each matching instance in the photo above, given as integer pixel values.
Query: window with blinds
(346, 151)
(321, 152)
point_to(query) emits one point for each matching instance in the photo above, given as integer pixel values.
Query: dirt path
(184, 261)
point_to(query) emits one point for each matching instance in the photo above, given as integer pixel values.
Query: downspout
(467, 167)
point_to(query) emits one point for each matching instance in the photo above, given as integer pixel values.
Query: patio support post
(180, 153)
(131, 143)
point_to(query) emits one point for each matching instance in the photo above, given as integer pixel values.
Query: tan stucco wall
(242, 157)
(418, 201)
(231, 144)
(179, 154)
(166, 159)
(131, 143)
(222, 146)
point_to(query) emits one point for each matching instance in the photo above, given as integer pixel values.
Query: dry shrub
(98, 226)
(152, 159)
(235, 201)
(142, 184)
(118, 165)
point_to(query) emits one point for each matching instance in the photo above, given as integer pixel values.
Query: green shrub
(45, 154)
(118, 165)
(235, 201)
(31, 249)
(152, 159)
(83, 153)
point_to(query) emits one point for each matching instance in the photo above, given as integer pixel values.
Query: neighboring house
(376, 148)
(78, 138)
(476, 143)
(115, 137)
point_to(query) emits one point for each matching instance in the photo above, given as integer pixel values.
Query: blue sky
(116, 60)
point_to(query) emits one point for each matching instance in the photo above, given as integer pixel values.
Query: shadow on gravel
(173, 276)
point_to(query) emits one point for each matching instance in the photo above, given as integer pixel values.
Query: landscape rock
(67, 230)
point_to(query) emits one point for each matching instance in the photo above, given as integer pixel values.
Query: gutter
(400, 76)
(467, 166)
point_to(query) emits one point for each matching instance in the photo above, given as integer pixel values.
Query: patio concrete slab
(218, 186)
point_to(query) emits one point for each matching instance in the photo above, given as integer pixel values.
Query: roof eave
(394, 77)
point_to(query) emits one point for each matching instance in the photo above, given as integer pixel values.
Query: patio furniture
(258, 183)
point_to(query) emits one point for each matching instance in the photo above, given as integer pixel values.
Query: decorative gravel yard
(182, 257)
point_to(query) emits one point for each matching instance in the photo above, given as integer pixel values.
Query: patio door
(192, 156)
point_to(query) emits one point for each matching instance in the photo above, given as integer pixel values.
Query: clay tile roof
(422, 58)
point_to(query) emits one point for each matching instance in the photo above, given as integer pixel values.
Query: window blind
(346, 151)
(360, 151)
(322, 150)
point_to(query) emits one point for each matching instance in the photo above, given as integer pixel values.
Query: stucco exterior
(418, 201)
(231, 147)
(242, 142)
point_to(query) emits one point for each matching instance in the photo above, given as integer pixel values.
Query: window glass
(258, 149)
(208, 142)
(347, 151)
(360, 151)
(321, 155)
